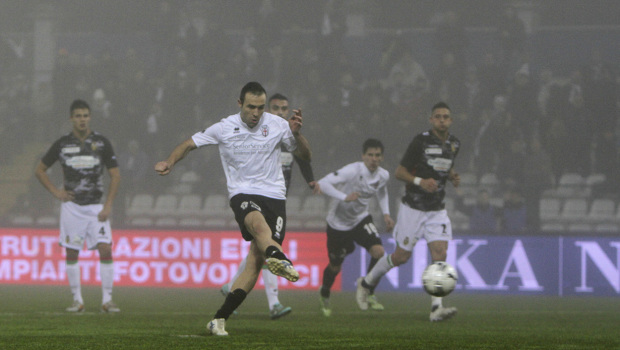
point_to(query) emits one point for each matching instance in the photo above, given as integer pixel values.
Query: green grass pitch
(33, 317)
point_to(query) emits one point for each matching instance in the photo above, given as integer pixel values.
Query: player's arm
(428, 185)
(60, 193)
(115, 181)
(384, 204)
(165, 167)
(308, 174)
(330, 181)
(454, 177)
(303, 147)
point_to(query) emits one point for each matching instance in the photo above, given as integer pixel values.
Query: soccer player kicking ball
(348, 222)
(249, 143)
(425, 167)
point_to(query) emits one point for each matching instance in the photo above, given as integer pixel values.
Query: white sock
(239, 270)
(73, 276)
(271, 288)
(107, 281)
(436, 301)
(379, 270)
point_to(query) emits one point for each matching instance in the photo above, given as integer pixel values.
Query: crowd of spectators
(527, 125)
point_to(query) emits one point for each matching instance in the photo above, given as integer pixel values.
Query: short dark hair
(440, 104)
(277, 96)
(252, 87)
(372, 143)
(78, 104)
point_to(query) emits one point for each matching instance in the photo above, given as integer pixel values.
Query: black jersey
(428, 157)
(288, 159)
(82, 164)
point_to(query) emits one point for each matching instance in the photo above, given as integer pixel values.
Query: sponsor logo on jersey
(70, 149)
(83, 162)
(433, 150)
(236, 130)
(440, 164)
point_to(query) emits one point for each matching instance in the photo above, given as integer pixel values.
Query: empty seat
(216, 205)
(165, 205)
(550, 208)
(314, 207)
(574, 209)
(293, 205)
(141, 204)
(607, 228)
(22, 220)
(602, 210)
(572, 185)
(579, 227)
(552, 227)
(166, 222)
(594, 179)
(189, 205)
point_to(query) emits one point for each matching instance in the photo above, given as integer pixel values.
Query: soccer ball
(439, 279)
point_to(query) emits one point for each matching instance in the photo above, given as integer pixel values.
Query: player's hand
(163, 168)
(65, 196)
(429, 185)
(295, 122)
(316, 188)
(353, 196)
(389, 223)
(104, 214)
(456, 179)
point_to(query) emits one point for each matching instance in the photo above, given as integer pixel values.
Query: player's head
(252, 102)
(278, 105)
(80, 115)
(372, 154)
(440, 117)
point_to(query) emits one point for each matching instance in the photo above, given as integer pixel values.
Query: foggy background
(533, 96)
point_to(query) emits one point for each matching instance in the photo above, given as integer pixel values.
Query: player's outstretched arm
(303, 147)
(165, 167)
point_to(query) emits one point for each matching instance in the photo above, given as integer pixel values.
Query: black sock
(273, 252)
(325, 292)
(329, 277)
(372, 263)
(232, 302)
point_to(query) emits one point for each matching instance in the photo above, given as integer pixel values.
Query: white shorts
(412, 224)
(79, 225)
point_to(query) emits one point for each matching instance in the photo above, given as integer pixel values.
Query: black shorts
(341, 243)
(274, 211)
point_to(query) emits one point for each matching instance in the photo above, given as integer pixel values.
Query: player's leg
(240, 289)
(438, 231)
(106, 268)
(376, 252)
(406, 230)
(74, 278)
(276, 309)
(339, 245)
(263, 220)
(72, 234)
(99, 236)
(367, 236)
(277, 262)
(227, 287)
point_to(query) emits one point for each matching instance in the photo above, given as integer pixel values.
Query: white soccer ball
(439, 279)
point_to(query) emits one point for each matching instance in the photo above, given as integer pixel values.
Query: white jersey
(251, 157)
(354, 177)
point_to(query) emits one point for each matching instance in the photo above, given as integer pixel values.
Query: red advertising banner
(187, 259)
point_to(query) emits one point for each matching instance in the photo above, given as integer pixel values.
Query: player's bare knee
(377, 251)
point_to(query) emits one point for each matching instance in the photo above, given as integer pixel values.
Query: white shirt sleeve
(384, 202)
(209, 136)
(288, 139)
(330, 181)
